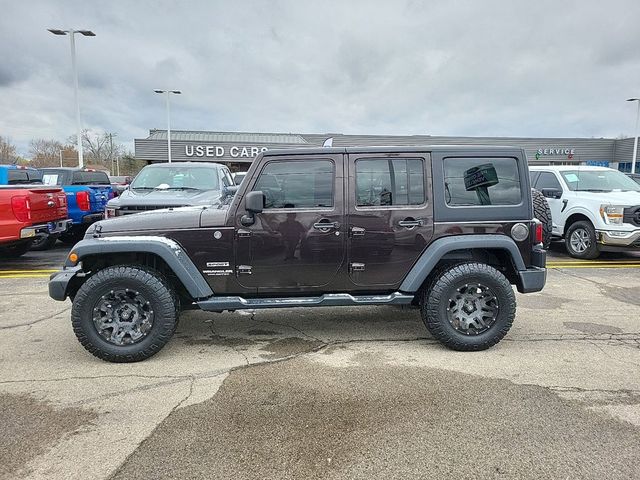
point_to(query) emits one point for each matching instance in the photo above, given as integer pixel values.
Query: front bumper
(619, 238)
(51, 228)
(59, 282)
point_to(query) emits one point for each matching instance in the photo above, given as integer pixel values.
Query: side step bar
(217, 304)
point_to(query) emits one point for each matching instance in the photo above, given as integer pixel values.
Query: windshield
(598, 181)
(177, 178)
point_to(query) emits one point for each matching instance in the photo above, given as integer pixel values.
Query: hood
(165, 198)
(627, 199)
(158, 220)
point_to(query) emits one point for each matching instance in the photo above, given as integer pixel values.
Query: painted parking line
(25, 275)
(35, 273)
(2, 272)
(591, 265)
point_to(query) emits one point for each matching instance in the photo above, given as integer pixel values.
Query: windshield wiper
(591, 190)
(181, 188)
(142, 188)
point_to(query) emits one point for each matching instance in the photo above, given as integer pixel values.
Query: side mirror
(254, 202)
(552, 192)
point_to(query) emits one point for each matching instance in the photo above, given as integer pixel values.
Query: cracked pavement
(330, 393)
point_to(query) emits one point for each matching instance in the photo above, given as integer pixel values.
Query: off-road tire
(15, 251)
(44, 242)
(435, 301)
(542, 212)
(592, 251)
(152, 285)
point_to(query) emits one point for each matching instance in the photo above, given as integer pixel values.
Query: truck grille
(632, 215)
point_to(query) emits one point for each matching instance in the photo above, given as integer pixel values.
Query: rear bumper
(59, 282)
(57, 226)
(92, 218)
(534, 278)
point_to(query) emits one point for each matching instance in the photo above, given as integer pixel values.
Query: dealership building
(238, 149)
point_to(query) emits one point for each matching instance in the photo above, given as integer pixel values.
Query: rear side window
(307, 184)
(388, 182)
(90, 178)
(481, 181)
(24, 177)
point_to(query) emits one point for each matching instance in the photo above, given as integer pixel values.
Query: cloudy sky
(496, 68)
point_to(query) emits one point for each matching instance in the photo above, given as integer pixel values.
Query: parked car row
(41, 206)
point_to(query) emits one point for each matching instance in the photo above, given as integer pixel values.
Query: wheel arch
(576, 217)
(497, 250)
(159, 253)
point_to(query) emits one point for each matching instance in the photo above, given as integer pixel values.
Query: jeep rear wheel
(469, 306)
(124, 314)
(580, 240)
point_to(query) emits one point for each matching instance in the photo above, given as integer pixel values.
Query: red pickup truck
(27, 211)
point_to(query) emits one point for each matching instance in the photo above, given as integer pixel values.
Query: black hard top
(466, 149)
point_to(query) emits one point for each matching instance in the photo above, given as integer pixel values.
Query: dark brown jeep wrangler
(447, 229)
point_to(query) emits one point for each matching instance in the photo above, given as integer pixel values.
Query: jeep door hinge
(244, 233)
(356, 267)
(357, 231)
(244, 270)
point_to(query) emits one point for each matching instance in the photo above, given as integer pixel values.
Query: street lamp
(72, 35)
(167, 92)
(635, 143)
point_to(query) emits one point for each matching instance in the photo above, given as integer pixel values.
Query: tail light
(82, 199)
(538, 231)
(21, 207)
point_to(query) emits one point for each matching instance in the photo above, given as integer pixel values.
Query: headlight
(612, 214)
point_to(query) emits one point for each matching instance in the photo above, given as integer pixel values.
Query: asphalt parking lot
(329, 393)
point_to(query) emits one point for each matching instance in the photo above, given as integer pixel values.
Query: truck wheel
(580, 240)
(15, 251)
(44, 242)
(469, 306)
(542, 212)
(124, 314)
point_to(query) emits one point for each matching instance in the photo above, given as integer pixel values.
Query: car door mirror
(552, 192)
(254, 202)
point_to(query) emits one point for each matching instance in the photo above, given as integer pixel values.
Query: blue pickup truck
(87, 191)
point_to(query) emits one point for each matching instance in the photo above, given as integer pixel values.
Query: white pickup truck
(593, 209)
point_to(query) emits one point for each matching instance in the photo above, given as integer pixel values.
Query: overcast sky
(495, 68)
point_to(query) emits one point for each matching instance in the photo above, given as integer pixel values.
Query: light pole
(72, 35)
(635, 143)
(167, 92)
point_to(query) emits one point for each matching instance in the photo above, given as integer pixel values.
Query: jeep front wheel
(124, 314)
(580, 240)
(469, 306)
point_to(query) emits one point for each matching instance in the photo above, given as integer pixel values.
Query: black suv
(447, 229)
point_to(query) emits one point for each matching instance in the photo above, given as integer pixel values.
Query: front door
(390, 216)
(297, 243)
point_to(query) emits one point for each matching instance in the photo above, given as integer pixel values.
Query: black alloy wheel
(125, 313)
(469, 306)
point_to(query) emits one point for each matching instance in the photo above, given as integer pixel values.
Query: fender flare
(440, 247)
(169, 250)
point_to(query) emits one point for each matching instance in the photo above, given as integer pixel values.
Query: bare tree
(50, 153)
(8, 152)
(100, 148)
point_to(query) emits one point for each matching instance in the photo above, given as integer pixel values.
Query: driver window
(297, 184)
(548, 180)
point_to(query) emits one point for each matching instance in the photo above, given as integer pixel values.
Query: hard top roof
(395, 149)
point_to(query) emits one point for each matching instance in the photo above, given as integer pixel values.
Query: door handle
(325, 226)
(410, 223)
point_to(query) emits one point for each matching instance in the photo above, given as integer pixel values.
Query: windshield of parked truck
(176, 178)
(598, 181)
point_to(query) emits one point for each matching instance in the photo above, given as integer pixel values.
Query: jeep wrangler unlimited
(446, 229)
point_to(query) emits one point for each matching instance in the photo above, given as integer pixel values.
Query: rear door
(390, 218)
